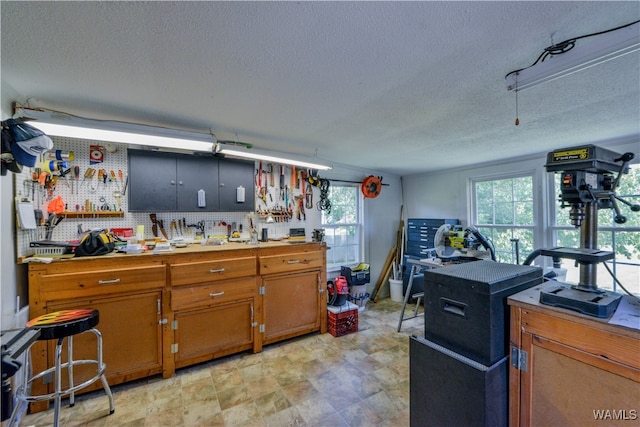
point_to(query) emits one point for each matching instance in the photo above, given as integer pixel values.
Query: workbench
(162, 312)
(570, 369)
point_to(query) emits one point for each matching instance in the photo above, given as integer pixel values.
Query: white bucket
(396, 290)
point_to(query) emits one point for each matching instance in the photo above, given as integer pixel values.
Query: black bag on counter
(95, 242)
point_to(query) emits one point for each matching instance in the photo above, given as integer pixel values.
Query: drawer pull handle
(108, 282)
(293, 261)
(220, 270)
(217, 294)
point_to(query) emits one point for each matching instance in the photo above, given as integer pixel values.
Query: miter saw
(587, 184)
(452, 241)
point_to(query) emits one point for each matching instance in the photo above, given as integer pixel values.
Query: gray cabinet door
(233, 174)
(170, 182)
(166, 182)
(152, 181)
(195, 174)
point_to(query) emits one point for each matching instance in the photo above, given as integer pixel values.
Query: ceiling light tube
(603, 48)
(268, 157)
(58, 124)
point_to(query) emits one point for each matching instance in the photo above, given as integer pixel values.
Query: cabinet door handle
(108, 282)
(220, 270)
(217, 294)
(293, 261)
(173, 182)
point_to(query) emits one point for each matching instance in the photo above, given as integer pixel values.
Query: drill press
(587, 183)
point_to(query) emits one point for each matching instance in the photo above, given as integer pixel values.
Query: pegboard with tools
(284, 193)
(89, 178)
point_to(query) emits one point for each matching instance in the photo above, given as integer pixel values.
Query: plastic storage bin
(342, 320)
(358, 275)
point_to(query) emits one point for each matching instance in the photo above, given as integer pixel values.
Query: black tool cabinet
(166, 182)
(459, 368)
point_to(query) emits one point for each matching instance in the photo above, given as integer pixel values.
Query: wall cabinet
(233, 174)
(160, 181)
(570, 369)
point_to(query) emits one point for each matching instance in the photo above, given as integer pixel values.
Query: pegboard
(84, 193)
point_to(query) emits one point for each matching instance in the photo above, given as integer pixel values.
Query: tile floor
(360, 379)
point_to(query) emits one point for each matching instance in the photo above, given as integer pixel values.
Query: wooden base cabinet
(213, 300)
(163, 312)
(205, 334)
(293, 292)
(129, 296)
(291, 305)
(568, 369)
(131, 355)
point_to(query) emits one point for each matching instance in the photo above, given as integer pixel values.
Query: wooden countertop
(195, 248)
(530, 299)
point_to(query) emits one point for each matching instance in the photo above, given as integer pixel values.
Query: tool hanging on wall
(371, 186)
(76, 175)
(154, 224)
(308, 197)
(88, 175)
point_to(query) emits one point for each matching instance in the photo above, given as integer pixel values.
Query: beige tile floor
(360, 379)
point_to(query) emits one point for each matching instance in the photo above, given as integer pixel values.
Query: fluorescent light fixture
(603, 48)
(251, 153)
(59, 124)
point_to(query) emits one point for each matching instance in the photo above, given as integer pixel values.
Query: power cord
(618, 282)
(566, 46)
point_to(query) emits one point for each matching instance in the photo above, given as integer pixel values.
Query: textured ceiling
(398, 87)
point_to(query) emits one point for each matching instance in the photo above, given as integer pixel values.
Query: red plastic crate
(343, 323)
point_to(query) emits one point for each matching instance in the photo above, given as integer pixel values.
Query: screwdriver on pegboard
(113, 178)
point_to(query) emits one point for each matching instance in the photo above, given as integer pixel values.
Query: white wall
(381, 218)
(8, 277)
(445, 194)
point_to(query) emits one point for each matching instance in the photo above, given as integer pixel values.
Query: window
(503, 210)
(622, 239)
(343, 225)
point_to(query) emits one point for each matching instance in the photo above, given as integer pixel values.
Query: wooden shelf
(97, 214)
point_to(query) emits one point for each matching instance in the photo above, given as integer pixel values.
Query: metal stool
(415, 268)
(60, 325)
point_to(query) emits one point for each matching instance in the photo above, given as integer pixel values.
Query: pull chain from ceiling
(516, 89)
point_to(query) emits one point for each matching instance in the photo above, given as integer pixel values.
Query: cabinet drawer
(102, 282)
(210, 294)
(208, 271)
(290, 262)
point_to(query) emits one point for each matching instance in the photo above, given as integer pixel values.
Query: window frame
(537, 193)
(359, 225)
